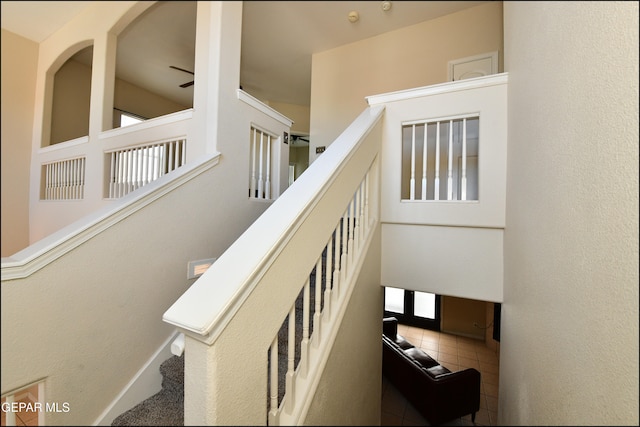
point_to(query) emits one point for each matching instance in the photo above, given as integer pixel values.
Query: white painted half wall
(463, 262)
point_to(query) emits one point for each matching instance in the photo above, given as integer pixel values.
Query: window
(421, 309)
(125, 118)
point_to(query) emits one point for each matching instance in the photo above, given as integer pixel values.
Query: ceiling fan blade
(181, 69)
(186, 84)
(298, 137)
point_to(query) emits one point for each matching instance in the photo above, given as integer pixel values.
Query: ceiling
(278, 39)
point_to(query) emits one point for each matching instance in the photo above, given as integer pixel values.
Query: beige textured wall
(71, 98)
(569, 347)
(19, 65)
(298, 113)
(134, 99)
(459, 315)
(411, 57)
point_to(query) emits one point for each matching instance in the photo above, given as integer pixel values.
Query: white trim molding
(448, 87)
(47, 250)
(263, 108)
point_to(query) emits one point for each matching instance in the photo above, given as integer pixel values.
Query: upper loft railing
(73, 178)
(261, 148)
(444, 153)
(79, 176)
(132, 156)
(440, 158)
(325, 222)
(134, 167)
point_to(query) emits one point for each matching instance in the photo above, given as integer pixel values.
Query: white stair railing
(326, 219)
(134, 167)
(450, 142)
(260, 179)
(304, 330)
(63, 180)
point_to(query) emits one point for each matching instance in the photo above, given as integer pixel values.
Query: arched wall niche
(154, 60)
(67, 103)
(68, 95)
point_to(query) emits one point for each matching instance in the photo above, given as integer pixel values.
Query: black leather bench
(437, 393)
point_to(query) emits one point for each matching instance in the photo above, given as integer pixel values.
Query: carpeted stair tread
(164, 408)
(172, 371)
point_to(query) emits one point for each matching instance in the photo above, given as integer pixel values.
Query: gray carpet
(165, 408)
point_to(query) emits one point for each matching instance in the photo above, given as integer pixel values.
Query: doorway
(298, 155)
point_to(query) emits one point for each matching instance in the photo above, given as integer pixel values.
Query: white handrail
(217, 306)
(204, 308)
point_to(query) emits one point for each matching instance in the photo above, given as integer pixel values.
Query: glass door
(415, 308)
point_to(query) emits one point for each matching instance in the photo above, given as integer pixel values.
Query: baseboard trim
(145, 383)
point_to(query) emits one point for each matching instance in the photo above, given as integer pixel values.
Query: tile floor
(23, 418)
(455, 353)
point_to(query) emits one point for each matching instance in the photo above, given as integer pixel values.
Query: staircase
(165, 408)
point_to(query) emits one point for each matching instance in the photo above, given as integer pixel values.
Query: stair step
(165, 408)
(172, 371)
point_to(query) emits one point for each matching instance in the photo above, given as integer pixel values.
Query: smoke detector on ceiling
(386, 5)
(353, 16)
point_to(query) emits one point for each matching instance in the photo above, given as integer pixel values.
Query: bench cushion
(421, 357)
(436, 371)
(403, 343)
